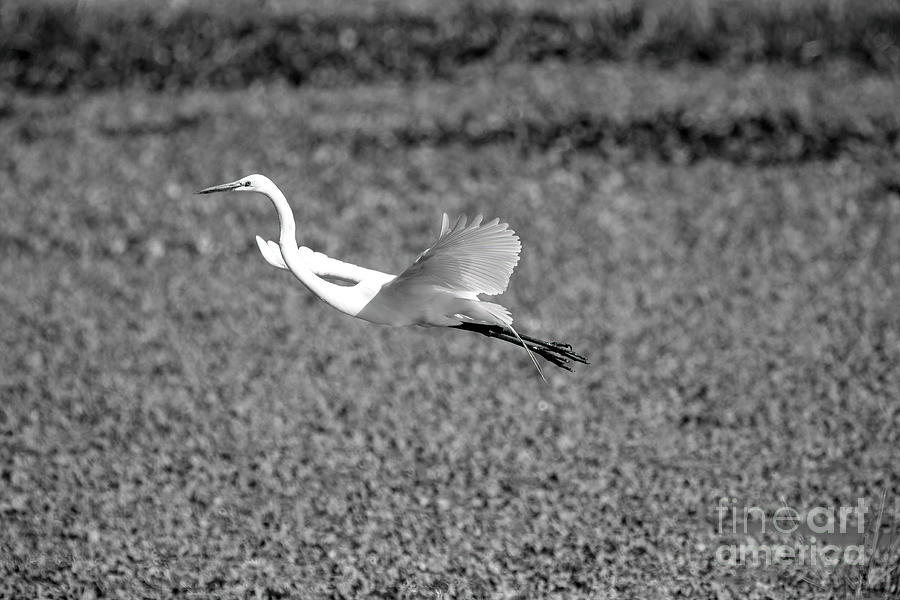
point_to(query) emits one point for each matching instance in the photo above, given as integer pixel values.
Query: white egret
(440, 288)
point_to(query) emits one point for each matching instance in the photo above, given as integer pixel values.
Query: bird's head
(250, 183)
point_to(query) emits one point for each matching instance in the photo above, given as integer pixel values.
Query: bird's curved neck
(345, 299)
(288, 227)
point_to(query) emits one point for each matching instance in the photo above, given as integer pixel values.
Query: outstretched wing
(476, 258)
(322, 265)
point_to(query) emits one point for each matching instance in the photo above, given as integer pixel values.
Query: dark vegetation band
(53, 46)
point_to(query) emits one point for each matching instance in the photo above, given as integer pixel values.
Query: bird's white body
(440, 289)
(415, 303)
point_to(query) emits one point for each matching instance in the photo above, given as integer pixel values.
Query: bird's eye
(246, 184)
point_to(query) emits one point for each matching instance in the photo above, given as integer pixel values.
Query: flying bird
(440, 288)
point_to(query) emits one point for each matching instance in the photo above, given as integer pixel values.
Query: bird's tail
(501, 317)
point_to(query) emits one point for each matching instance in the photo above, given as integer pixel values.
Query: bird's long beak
(225, 187)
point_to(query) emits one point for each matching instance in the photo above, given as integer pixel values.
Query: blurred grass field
(58, 45)
(180, 419)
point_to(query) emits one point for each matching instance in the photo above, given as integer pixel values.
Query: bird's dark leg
(556, 352)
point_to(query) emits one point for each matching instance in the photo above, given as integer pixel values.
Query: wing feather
(471, 257)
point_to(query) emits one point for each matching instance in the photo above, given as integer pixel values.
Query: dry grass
(180, 419)
(54, 46)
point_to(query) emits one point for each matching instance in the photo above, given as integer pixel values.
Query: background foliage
(53, 46)
(709, 202)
